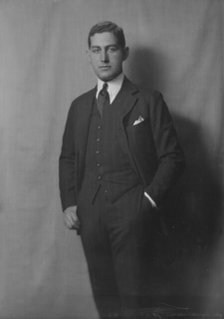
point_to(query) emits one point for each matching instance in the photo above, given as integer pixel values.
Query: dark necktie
(103, 99)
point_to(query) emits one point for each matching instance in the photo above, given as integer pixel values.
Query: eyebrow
(107, 46)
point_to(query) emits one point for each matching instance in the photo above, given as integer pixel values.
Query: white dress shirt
(113, 88)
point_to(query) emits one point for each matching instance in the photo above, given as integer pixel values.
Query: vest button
(98, 164)
(97, 152)
(98, 139)
(99, 177)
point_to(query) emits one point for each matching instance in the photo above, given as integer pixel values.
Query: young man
(120, 156)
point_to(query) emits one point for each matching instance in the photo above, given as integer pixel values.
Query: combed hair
(108, 26)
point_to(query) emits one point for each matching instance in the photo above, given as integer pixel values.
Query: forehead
(103, 39)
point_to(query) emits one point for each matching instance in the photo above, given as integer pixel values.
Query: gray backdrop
(175, 46)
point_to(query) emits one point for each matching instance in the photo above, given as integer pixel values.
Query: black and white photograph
(112, 153)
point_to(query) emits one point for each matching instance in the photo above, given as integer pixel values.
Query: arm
(68, 162)
(169, 153)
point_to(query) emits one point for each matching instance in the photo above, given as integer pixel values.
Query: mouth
(104, 67)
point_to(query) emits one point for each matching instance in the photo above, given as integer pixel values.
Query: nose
(104, 56)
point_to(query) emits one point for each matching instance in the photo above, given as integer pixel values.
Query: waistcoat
(107, 163)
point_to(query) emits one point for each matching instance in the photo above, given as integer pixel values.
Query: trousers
(112, 236)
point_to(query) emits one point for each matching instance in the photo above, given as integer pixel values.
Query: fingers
(71, 221)
(70, 218)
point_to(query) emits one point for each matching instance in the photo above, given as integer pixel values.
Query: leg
(99, 258)
(126, 221)
(124, 228)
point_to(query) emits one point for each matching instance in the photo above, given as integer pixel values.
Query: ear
(125, 53)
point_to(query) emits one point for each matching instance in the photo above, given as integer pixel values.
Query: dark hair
(108, 26)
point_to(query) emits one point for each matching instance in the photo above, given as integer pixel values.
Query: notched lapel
(129, 93)
(129, 100)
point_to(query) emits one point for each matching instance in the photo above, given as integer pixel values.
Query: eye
(112, 49)
(95, 50)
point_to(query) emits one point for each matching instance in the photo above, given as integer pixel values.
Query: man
(120, 156)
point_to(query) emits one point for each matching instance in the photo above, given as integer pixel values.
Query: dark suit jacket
(152, 144)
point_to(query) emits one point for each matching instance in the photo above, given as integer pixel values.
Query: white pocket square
(138, 121)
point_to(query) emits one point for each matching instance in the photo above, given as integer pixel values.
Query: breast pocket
(139, 134)
(139, 126)
(140, 139)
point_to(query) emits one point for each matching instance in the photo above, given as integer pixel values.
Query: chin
(104, 77)
(107, 77)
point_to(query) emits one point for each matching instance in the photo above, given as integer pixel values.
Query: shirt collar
(114, 86)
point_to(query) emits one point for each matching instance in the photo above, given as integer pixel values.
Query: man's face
(106, 55)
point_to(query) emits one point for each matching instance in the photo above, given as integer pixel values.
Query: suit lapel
(128, 97)
(129, 100)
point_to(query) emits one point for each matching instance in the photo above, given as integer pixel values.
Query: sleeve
(169, 153)
(68, 162)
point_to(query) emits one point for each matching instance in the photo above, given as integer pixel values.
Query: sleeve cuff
(151, 200)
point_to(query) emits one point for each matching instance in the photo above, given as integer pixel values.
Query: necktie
(103, 99)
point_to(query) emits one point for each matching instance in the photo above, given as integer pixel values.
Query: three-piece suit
(106, 165)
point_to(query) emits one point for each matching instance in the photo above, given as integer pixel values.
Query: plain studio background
(177, 47)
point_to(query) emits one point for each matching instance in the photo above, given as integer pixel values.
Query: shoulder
(79, 103)
(83, 97)
(151, 100)
(147, 94)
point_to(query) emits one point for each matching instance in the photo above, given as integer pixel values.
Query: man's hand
(71, 219)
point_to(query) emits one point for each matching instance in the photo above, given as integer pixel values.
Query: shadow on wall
(182, 261)
(147, 67)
